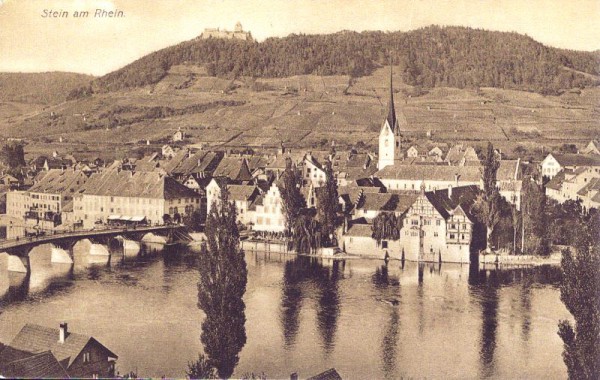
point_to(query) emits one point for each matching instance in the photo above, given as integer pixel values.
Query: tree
(580, 292)
(222, 284)
(386, 226)
(195, 220)
(292, 200)
(327, 207)
(487, 207)
(534, 218)
(516, 217)
(201, 369)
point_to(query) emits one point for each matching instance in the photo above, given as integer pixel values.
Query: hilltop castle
(238, 33)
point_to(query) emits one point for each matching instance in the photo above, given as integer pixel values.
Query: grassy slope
(39, 88)
(316, 108)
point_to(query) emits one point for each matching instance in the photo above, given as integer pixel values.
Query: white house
(312, 171)
(242, 195)
(179, 135)
(554, 163)
(268, 212)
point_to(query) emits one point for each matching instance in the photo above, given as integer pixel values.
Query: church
(389, 137)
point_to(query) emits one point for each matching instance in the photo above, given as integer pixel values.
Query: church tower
(389, 136)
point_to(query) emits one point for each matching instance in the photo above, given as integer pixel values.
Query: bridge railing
(8, 243)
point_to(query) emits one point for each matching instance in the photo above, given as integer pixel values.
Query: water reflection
(329, 303)
(369, 320)
(299, 276)
(389, 286)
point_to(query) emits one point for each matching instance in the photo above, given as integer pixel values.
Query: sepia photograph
(300, 189)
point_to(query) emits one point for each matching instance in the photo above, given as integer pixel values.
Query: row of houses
(574, 177)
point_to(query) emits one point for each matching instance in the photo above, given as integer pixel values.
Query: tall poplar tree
(222, 284)
(292, 201)
(327, 207)
(487, 207)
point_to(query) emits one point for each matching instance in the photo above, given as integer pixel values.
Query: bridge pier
(18, 264)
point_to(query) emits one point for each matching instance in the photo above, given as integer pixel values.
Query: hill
(429, 57)
(303, 112)
(40, 88)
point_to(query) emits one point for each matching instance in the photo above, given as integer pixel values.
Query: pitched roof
(234, 168)
(241, 192)
(462, 196)
(42, 365)
(509, 170)
(556, 182)
(330, 374)
(58, 181)
(387, 202)
(571, 159)
(591, 186)
(36, 339)
(431, 173)
(139, 184)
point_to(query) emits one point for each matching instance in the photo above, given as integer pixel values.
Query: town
(413, 202)
(430, 187)
(337, 204)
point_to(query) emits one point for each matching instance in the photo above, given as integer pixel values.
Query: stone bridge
(19, 248)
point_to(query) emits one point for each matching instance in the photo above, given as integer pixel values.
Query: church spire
(391, 116)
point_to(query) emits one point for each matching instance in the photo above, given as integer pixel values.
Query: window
(451, 236)
(437, 222)
(462, 237)
(415, 222)
(435, 234)
(384, 244)
(86, 357)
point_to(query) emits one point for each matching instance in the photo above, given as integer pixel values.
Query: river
(303, 315)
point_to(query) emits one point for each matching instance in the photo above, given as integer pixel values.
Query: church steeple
(391, 116)
(389, 136)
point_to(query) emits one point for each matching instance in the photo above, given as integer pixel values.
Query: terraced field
(306, 111)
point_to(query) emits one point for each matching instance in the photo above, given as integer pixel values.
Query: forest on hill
(40, 88)
(430, 57)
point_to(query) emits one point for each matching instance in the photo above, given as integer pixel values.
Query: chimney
(62, 332)
(449, 191)
(456, 176)
(294, 376)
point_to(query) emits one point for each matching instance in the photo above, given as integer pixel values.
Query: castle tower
(389, 136)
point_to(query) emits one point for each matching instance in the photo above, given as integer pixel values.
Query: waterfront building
(268, 212)
(79, 355)
(49, 202)
(436, 226)
(140, 196)
(242, 195)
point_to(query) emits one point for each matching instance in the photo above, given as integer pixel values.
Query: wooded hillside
(429, 57)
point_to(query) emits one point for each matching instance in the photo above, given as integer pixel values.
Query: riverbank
(512, 261)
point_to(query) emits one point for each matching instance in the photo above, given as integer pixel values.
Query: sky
(30, 42)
